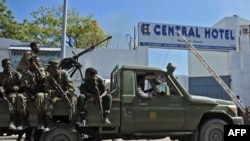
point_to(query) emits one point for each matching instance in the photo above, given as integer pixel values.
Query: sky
(121, 17)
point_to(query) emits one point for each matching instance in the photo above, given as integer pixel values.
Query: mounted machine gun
(72, 63)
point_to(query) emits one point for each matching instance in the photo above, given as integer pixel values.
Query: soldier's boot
(40, 122)
(83, 119)
(106, 118)
(23, 124)
(72, 126)
(49, 124)
(12, 125)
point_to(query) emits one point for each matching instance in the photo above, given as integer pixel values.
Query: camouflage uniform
(23, 64)
(33, 85)
(90, 87)
(8, 81)
(67, 85)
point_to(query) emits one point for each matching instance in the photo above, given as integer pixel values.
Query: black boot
(49, 124)
(40, 122)
(23, 124)
(83, 116)
(72, 126)
(12, 125)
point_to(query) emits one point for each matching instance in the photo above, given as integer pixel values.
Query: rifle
(96, 99)
(71, 62)
(10, 106)
(99, 102)
(61, 91)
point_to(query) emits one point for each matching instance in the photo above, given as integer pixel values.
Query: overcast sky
(121, 16)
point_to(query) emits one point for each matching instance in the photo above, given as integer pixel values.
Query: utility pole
(64, 29)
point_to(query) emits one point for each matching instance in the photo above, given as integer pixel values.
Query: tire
(62, 134)
(212, 130)
(36, 134)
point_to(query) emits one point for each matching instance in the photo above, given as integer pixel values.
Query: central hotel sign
(164, 36)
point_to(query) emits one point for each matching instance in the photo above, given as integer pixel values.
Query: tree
(8, 27)
(46, 27)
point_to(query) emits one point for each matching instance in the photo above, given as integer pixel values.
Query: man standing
(93, 87)
(60, 77)
(24, 62)
(32, 83)
(9, 86)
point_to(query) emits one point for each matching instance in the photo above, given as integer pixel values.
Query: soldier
(24, 62)
(33, 84)
(61, 78)
(9, 86)
(93, 87)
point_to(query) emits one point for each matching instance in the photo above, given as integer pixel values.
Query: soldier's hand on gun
(15, 88)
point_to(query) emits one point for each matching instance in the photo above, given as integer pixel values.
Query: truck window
(128, 83)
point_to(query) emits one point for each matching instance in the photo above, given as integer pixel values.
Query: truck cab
(174, 112)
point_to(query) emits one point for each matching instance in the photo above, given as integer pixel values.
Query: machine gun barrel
(90, 48)
(71, 62)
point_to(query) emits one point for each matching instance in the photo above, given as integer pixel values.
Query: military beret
(53, 63)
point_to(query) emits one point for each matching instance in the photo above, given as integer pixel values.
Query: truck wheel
(36, 134)
(62, 134)
(212, 130)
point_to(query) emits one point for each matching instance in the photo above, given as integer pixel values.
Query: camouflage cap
(53, 63)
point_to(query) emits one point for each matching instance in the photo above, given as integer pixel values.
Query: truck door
(160, 113)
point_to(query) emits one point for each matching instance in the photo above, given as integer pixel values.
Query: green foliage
(8, 27)
(45, 26)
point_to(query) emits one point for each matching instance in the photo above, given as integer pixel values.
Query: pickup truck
(173, 113)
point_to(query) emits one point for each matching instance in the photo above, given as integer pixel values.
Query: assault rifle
(10, 106)
(71, 62)
(96, 98)
(61, 91)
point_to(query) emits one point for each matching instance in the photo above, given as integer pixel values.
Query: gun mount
(71, 63)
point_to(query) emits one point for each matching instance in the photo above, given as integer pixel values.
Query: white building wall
(4, 45)
(217, 60)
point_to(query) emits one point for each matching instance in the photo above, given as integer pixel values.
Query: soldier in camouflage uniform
(9, 86)
(93, 87)
(32, 83)
(62, 78)
(24, 62)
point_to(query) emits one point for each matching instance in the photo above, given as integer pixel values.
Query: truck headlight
(233, 108)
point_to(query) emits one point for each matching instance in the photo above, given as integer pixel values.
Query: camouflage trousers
(40, 103)
(51, 98)
(12, 99)
(21, 104)
(82, 103)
